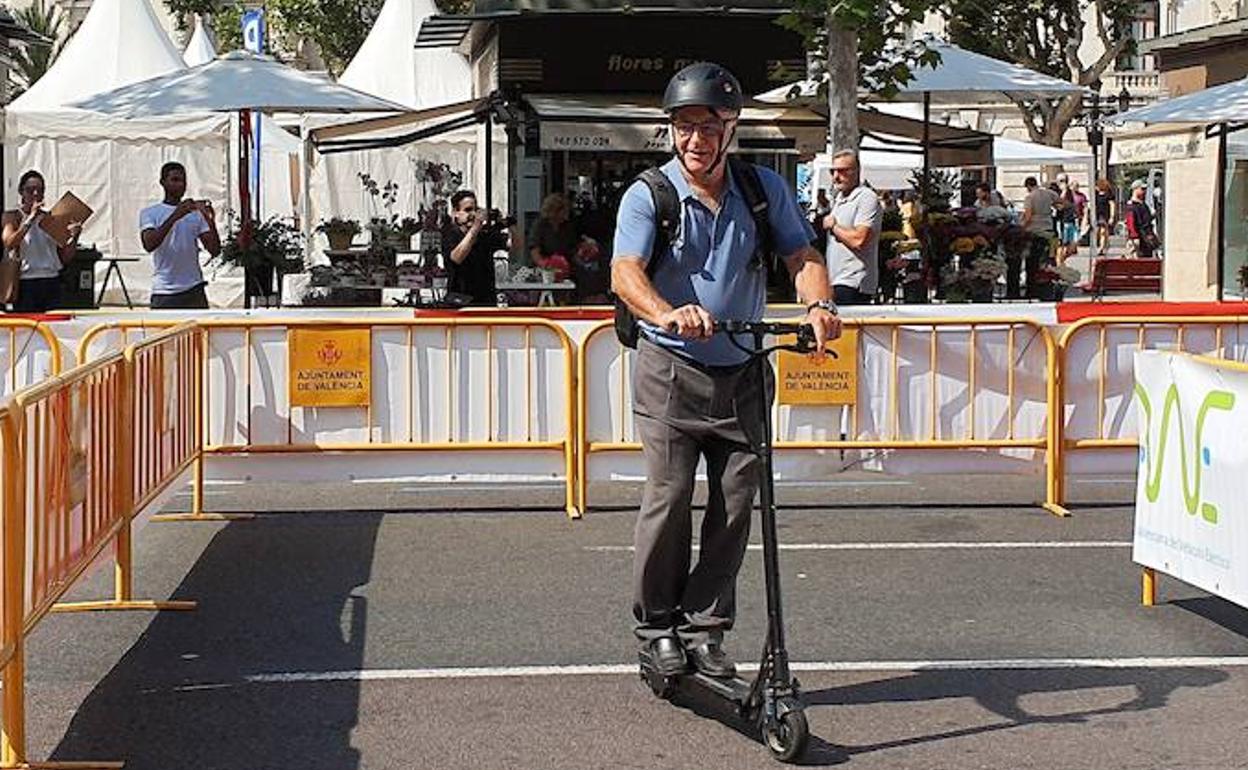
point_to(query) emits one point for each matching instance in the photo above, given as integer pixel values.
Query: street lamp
(1095, 134)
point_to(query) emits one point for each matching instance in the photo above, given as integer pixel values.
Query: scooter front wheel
(787, 736)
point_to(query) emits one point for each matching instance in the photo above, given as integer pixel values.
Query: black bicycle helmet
(704, 84)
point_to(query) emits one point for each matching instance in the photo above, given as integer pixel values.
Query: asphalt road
(365, 626)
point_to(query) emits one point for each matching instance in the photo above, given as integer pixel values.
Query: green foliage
(184, 10)
(1038, 35)
(227, 28)
(1048, 38)
(338, 27)
(885, 57)
(273, 242)
(32, 61)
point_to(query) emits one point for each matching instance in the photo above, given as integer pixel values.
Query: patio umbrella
(1221, 111)
(963, 76)
(1227, 103)
(239, 81)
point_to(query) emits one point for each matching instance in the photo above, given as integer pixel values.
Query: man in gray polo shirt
(853, 230)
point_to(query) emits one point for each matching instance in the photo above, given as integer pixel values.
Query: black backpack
(667, 230)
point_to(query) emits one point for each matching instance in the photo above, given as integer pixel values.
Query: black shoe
(710, 659)
(668, 656)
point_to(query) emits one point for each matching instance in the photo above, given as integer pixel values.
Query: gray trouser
(683, 411)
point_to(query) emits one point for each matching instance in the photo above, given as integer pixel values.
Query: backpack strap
(751, 186)
(666, 214)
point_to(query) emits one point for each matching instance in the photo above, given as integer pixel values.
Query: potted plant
(272, 246)
(339, 232)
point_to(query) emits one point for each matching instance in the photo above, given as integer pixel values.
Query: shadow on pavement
(819, 753)
(1217, 610)
(275, 595)
(1000, 691)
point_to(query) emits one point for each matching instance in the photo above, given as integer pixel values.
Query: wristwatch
(822, 304)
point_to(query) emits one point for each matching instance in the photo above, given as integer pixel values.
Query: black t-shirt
(1102, 205)
(475, 275)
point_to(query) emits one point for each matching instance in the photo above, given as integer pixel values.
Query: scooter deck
(734, 689)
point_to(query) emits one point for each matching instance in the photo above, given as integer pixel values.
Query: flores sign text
(330, 367)
(833, 381)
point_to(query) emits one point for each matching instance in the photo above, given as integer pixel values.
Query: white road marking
(913, 546)
(615, 669)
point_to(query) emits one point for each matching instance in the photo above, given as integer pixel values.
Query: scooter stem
(779, 673)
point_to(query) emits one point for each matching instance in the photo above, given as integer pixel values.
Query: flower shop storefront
(967, 255)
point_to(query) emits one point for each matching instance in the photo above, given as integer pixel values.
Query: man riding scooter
(696, 393)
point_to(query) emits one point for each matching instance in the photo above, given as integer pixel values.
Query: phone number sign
(599, 137)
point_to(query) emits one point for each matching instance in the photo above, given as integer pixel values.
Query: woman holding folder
(41, 257)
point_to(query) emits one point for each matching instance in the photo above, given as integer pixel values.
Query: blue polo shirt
(709, 263)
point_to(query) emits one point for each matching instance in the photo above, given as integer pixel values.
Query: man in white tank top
(172, 232)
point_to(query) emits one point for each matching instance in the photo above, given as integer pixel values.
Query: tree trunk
(842, 87)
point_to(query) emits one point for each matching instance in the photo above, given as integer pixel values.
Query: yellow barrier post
(13, 710)
(1055, 455)
(199, 416)
(1148, 585)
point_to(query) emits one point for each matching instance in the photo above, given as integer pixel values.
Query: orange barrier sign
(832, 381)
(330, 367)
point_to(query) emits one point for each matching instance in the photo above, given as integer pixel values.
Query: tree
(1046, 37)
(33, 60)
(337, 27)
(858, 41)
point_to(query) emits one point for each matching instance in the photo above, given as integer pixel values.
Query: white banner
(1193, 475)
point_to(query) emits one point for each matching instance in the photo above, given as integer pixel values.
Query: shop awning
(397, 130)
(638, 124)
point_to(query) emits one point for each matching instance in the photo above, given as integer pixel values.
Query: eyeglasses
(847, 170)
(707, 130)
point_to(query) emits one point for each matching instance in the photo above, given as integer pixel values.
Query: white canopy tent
(110, 163)
(390, 66)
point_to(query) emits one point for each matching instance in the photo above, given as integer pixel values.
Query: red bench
(1139, 275)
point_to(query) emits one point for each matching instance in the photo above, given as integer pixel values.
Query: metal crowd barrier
(1094, 382)
(72, 447)
(18, 348)
(867, 427)
(265, 422)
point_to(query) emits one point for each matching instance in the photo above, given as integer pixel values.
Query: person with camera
(172, 232)
(694, 393)
(469, 241)
(39, 258)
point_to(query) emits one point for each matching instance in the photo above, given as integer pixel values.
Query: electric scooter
(772, 702)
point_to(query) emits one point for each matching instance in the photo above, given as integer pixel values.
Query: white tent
(200, 49)
(75, 148)
(111, 163)
(390, 66)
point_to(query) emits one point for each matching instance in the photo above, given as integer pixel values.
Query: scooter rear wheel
(786, 738)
